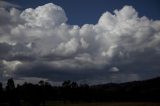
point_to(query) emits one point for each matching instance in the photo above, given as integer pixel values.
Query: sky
(89, 11)
(88, 41)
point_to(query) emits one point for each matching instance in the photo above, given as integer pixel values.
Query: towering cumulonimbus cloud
(38, 43)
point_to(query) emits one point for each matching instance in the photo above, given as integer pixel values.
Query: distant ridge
(155, 80)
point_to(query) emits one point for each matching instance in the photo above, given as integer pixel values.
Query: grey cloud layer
(38, 43)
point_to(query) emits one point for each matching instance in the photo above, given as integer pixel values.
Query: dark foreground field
(95, 104)
(104, 104)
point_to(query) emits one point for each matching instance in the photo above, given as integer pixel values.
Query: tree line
(38, 94)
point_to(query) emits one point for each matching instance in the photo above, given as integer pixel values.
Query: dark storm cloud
(42, 70)
(5, 48)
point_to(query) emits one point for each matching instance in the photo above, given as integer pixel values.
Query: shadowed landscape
(136, 93)
(79, 53)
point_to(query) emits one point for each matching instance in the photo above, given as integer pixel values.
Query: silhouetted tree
(42, 92)
(13, 97)
(10, 85)
(41, 83)
(66, 84)
(1, 88)
(1, 92)
(74, 85)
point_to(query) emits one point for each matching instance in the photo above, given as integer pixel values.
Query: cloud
(114, 69)
(6, 4)
(5, 49)
(121, 47)
(47, 15)
(66, 48)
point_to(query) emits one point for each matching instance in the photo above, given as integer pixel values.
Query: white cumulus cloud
(41, 35)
